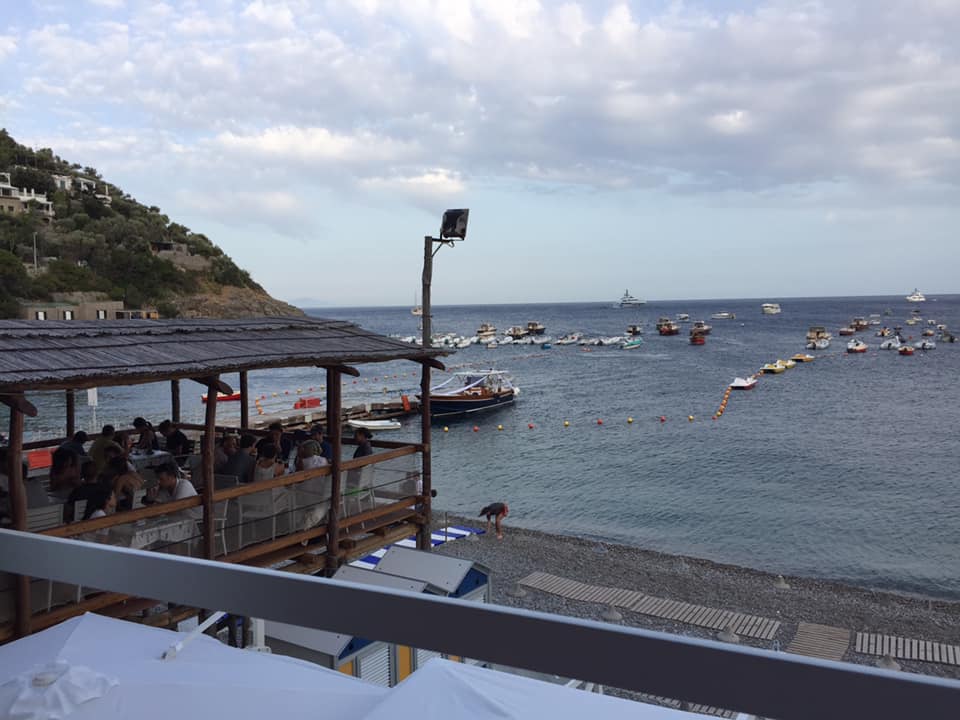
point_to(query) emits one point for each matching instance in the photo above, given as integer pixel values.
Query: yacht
(629, 300)
(916, 296)
(770, 308)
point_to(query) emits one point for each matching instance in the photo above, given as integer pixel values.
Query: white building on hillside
(16, 200)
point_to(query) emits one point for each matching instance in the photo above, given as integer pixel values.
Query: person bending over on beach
(497, 510)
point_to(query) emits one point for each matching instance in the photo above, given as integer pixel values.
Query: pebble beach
(702, 582)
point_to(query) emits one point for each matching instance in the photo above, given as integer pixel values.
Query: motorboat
(629, 300)
(848, 330)
(634, 330)
(612, 340)
(856, 346)
(570, 339)
(947, 336)
(929, 332)
(633, 343)
(891, 343)
(874, 319)
(770, 309)
(773, 368)
(701, 327)
(683, 317)
(884, 332)
(906, 350)
(375, 425)
(486, 331)
(492, 345)
(914, 321)
(788, 364)
(222, 397)
(516, 332)
(916, 296)
(724, 315)
(818, 338)
(925, 345)
(740, 383)
(469, 391)
(859, 323)
(698, 337)
(803, 358)
(666, 326)
(535, 327)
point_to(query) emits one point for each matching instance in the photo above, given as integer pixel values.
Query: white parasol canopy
(97, 667)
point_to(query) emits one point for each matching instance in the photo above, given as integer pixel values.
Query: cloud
(429, 186)
(8, 46)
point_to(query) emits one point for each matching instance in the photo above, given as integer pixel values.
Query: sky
(679, 149)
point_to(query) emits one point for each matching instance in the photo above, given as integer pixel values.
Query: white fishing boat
(891, 343)
(925, 345)
(375, 425)
(723, 315)
(856, 346)
(916, 296)
(740, 383)
(629, 300)
(570, 339)
(770, 309)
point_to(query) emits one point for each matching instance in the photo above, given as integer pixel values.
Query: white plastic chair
(358, 492)
(267, 504)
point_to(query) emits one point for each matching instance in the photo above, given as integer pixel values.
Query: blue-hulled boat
(472, 391)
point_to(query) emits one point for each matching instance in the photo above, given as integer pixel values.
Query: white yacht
(770, 308)
(629, 300)
(916, 296)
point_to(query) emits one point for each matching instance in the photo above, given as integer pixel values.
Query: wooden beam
(18, 509)
(71, 398)
(124, 518)
(244, 400)
(213, 382)
(16, 401)
(210, 437)
(343, 370)
(175, 401)
(432, 362)
(335, 429)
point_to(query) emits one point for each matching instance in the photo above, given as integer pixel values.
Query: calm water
(845, 468)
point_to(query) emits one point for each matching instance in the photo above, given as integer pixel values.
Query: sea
(844, 469)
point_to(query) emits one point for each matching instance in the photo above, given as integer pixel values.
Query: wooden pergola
(69, 356)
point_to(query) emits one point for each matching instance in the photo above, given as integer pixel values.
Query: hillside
(64, 229)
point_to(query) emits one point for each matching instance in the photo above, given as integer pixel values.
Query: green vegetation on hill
(91, 245)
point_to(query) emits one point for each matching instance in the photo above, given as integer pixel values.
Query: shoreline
(703, 582)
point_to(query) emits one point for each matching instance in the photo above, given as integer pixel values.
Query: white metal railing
(762, 682)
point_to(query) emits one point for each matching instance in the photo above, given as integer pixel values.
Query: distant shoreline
(706, 583)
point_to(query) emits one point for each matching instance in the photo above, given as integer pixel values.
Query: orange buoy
(599, 421)
(476, 428)
(406, 403)
(530, 425)
(663, 418)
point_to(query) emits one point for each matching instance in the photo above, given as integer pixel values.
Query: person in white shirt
(170, 487)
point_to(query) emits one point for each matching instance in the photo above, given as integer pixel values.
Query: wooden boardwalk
(907, 648)
(821, 641)
(713, 618)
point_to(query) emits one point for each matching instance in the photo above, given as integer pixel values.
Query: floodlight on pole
(453, 228)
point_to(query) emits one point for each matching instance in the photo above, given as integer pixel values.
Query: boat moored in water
(916, 296)
(905, 350)
(740, 383)
(773, 368)
(683, 317)
(221, 397)
(818, 338)
(925, 345)
(848, 330)
(535, 327)
(856, 346)
(471, 391)
(666, 326)
(633, 344)
(723, 315)
(377, 425)
(770, 309)
(803, 358)
(634, 330)
(629, 300)
(701, 327)
(698, 337)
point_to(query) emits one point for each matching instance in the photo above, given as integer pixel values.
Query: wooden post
(175, 401)
(18, 508)
(334, 430)
(210, 437)
(423, 536)
(71, 413)
(244, 401)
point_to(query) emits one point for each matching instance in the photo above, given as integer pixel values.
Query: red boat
(698, 337)
(666, 326)
(233, 397)
(905, 350)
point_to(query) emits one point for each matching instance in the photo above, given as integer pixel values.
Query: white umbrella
(97, 667)
(442, 690)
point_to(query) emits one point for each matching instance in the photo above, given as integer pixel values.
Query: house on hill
(16, 200)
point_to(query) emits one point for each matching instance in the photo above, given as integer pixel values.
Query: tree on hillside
(32, 179)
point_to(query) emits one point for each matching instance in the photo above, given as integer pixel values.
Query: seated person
(326, 449)
(176, 442)
(170, 486)
(76, 443)
(309, 456)
(88, 488)
(242, 461)
(226, 450)
(147, 442)
(65, 470)
(363, 438)
(267, 465)
(282, 443)
(102, 503)
(107, 438)
(124, 481)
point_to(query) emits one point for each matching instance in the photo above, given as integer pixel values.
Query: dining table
(162, 530)
(143, 460)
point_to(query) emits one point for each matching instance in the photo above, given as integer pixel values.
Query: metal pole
(18, 508)
(423, 536)
(335, 431)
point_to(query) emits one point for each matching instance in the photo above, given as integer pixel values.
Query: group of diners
(277, 453)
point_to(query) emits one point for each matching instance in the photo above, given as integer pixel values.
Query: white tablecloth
(154, 530)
